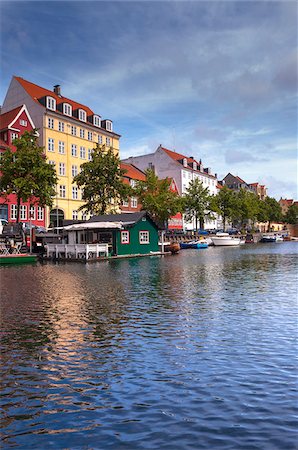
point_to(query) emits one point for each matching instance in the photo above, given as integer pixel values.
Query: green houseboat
(127, 234)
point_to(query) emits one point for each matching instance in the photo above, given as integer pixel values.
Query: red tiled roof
(37, 92)
(240, 179)
(4, 144)
(178, 156)
(132, 172)
(7, 118)
(252, 184)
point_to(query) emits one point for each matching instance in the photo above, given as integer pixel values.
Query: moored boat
(194, 244)
(224, 239)
(267, 238)
(21, 258)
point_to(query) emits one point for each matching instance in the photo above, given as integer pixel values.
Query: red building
(12, 125)
(131, 176)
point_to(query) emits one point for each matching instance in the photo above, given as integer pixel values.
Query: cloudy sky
(216, 80)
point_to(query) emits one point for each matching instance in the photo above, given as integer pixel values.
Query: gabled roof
(132, 172)
(8, 119)
(126, 219)
(36, 92)
(240, 179)
(178, 156)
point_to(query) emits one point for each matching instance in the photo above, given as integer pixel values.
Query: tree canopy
(26, 173)
(197, 203)
(270, 211)
(247, 207)
(157, 198)
(291, 215)
(225, 204)
(102, 183)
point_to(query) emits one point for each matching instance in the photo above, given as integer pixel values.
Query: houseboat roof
(124, 218)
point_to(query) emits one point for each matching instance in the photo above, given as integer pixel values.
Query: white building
(183, 169)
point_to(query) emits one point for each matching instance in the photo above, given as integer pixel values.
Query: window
(82, 133)
(73, 130)
(96, 121)
(74, 170)
(144, 237)
(75, 215)
(32, 212)
(74, 193)
(132, 183)
(67, 109)
(50, 123)
(73, 150)
(90, 135)
(13, 212)
(82, 153)
(108, 141)
(23, 212)
(99, 139)
(14, 136)
(51, 103)
(90, 151)
(124, 237)
(52, 162)
(62, 191)
(23, 123)
(134, 202)
(40, 211)
(61, 169)
(125, 203)
(51, 145)
(184, 162)
(194, 166)
(109, 125)
(84, 216)
(61, 148)
(82, 115)
(61, 126)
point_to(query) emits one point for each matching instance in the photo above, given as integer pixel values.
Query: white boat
(278, 238)
(225, 239)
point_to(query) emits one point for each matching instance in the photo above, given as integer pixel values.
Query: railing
(86, 251)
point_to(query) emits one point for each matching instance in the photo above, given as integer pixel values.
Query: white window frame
(74, 170)
(144, 237)
(61, 126)
(108, 141)
(125, 237)
(40, 213)
(61, 147)
(23, 212)
(109, 125)
(75, 214)
(74, 193)
(51, 145)
(67, 109)
(90, 135)
(23, 122)
(73, 130)
(184, 162)
(51, 103)
(61, 169)
(13, 212)
(97, 121)
(132, 183)
(82, 133)
(14, 136)
(50, 123)
(74, 150)
(134, 202)
(62, 191)
(32, 212)
(90, 151)
(82, 152)
(125, 203)
(82, 115)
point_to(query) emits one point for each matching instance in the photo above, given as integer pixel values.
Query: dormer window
(67, 109)
(109, 125)
(82, 115)
(96, 121)
(194, 165)
(51, 103)
(185, 162)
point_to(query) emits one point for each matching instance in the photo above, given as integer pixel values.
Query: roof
(132, 172)
(8, 117)
(240, 179)
(36, 92)
(4, 144)
(190, 160)
(92, 226)
(125, 218)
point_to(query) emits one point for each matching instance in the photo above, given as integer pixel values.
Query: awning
(93, 226)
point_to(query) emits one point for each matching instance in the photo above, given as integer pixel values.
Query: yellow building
(69, 131)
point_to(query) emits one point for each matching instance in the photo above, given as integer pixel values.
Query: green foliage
(269, 211)
(197, 203)
(291, 216)
(27, 173)
(247, 207)
(102, 183)
(225, 204)
(157, 198)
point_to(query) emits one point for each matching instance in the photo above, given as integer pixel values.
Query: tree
(291, 215)
(270, 211)
(26, 173)
(157, 198)
(247, 206)
(101, 180)
(225, 204)
(197, 203)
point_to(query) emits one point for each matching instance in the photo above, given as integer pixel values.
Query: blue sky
(215, 80)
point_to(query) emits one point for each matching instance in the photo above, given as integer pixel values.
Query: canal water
(191, 351)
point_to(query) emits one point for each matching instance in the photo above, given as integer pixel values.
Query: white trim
(23, 108)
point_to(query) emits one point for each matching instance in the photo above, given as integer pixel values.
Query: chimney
(57, 89)
(215, 175)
